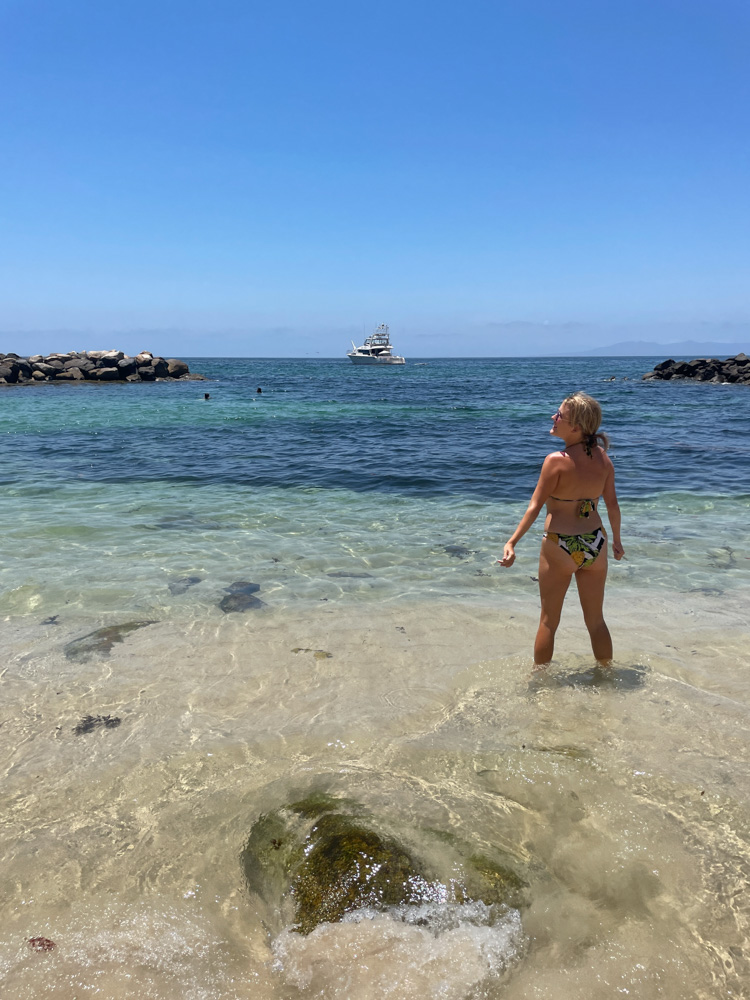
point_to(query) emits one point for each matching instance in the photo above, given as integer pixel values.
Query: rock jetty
(735, 369)
(92, 366)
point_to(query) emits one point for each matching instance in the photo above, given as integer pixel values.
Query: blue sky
(270, 179)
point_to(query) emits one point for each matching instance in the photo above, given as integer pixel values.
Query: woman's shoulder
(555, 461)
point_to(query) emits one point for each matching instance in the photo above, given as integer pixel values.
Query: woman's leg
(590, 583)
(555, 570)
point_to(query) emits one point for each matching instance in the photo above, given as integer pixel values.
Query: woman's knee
(594, 623)
(549, 621)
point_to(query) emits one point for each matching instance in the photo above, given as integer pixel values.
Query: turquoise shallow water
(340, 483)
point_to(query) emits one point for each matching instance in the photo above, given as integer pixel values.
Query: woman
(574, 542)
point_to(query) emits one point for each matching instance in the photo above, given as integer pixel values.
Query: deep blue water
(472, 427)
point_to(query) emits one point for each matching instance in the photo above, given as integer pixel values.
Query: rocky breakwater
(92, 366)
(735, 369)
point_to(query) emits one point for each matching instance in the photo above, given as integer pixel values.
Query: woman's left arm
(609, 495)
(547, 481)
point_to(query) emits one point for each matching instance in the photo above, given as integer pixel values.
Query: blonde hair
(586, 413)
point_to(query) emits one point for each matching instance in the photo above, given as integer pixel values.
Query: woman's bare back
(580, 477)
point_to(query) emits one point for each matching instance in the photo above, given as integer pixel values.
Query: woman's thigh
(555, 571)
(590, 582)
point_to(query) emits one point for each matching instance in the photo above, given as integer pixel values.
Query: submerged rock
(240, 602)
(328, 859)
(242, 587)
(240, 597)
(182, 584)
(457, 551)
(340, 574)
(182, 522)
(100, 642)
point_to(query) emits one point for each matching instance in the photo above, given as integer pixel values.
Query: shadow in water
(624, 678)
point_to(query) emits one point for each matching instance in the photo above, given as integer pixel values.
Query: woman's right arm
(609, 495)
(547, 481)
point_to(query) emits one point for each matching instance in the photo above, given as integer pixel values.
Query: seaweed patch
(91, 722)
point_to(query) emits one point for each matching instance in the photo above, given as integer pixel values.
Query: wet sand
(623, 796)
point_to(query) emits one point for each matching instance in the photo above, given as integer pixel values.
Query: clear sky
(245, 178)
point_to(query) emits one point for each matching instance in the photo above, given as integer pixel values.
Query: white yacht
(376, 350)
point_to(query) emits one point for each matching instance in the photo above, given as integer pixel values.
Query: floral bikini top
(587, 506)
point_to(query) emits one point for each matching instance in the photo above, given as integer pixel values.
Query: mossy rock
(324, 857)
(348, 868)
(494, 883)
(318, 803)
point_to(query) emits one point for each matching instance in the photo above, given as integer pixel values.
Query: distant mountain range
(686, 349)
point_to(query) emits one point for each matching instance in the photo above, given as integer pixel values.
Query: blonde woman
(571, 483)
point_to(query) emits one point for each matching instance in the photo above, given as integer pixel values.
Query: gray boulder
(110, 359)
(82, 364)
(176, 368)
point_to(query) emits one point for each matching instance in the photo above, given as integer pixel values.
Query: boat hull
(378, 362)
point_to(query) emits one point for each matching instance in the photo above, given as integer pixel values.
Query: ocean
(307, 575)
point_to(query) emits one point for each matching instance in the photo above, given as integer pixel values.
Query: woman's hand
(509, 555)
(618, 551)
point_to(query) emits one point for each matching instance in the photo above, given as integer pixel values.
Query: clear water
(369, 507)
(110, 492)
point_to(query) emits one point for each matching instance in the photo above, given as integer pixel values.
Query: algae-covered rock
(492, 882)
(327, 858)
(348, 867)
(100, 642)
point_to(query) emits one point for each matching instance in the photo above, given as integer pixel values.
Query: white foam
(434, 950)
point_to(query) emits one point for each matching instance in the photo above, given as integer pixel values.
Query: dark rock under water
(240, 602)
(182, 584)
(457, 551)
(101, 641)
(242, 587)
(341, 575)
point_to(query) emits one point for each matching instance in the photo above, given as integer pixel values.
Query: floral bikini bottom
(582, 549)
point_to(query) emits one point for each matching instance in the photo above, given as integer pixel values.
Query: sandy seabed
(623, 796)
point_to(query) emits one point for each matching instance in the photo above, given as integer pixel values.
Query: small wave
(445, 950)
